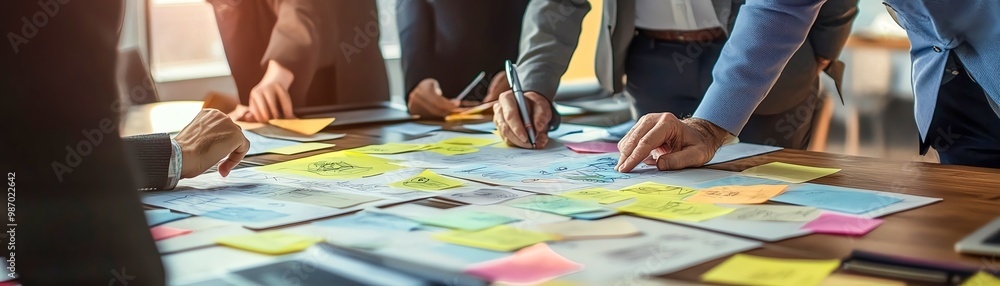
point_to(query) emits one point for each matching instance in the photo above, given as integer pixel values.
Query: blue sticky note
(738, 181)
(485, 127)
(158, 217)
(619, 131)
(260, 144)
(595, 215)
(371, 220)
(835, 198)
(413, 129)
(243, 214)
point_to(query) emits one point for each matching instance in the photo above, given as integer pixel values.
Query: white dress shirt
(675, 15)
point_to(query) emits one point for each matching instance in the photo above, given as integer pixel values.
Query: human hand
(822, 63)
(508, 119)
(209, 138)
(427, 100)
(497, 86)
(270, 98)
(661, 139)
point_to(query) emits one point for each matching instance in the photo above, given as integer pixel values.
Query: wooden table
(971, 199)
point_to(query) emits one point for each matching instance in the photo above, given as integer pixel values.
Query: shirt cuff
(174, 170)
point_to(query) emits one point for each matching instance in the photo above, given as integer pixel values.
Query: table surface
(971, 199)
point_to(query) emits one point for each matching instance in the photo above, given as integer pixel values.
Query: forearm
(832, 28)
(549, 36)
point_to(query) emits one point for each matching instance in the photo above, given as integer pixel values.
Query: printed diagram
(424, 183)
(243, 214)
(336, 168)
(487, 193)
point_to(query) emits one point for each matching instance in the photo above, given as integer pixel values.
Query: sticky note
(485, 127)
(839, 279)
(660, 191)
(446, 149)
(557, 205)
(467, 220)
(583, 229)
(485, 196)
(459, 117)
(389, 148)
(300, 148)
(332, 199)
(371, 220)
(283, 134)
(788, 172)
(592, 147)
(600, 195)
(302, 126)
(335, 165)
(477, 109)
(673, 209)
(273, 242)
(737, 194)
(737, 181)
(469, 141)
(775, 213)
(165, 232)
(835, 199)
(413, 129)
(427, 181)
(831, 223)
(532, 265)
(499, 238)
(158, 217)
(982, 279)
(742, 269)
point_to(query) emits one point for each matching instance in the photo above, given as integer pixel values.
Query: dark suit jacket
(79, 219)
(330, 45)
(151, 153)
(453, 40)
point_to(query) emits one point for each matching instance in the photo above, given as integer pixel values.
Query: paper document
(300, 148)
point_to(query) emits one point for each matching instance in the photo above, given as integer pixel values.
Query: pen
(468, 89)
(522, 107)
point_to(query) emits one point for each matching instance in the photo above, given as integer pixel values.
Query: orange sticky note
(302, 126)
(165, 232)
(756, 194)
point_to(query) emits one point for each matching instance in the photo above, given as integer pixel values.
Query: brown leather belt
(704, 35)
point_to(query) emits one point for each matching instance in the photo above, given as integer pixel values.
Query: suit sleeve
(549, 36)
(765, 36)
(295, 40)
(416, 41)
(151, 153)
(832, 27)
(78, 217)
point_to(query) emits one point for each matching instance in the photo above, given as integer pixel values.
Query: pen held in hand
(522, 107)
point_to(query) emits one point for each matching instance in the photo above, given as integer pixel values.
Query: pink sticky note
(531, 265)
(593, 147)
(165, 232)
(831, 223)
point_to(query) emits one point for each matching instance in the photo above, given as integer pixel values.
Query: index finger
(286, 103)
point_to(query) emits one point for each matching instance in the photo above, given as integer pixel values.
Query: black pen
(522, 106)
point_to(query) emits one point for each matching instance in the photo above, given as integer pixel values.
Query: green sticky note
(498, 238)
(300, 148)
(742, 269)
(672, 209)
(600, 195)
(467, 220)
(389, 148)
(788, 172)
(427, 181)
(557, 205)
(274, 242)
(660, 191)
(334, 165)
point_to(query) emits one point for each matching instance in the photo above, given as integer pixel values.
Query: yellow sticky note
(469, 141)
(450, 150)
(459, 116)
(838, 279)
(334, 165)
(660, 191)
(788, 172)
(756, 194)
(477, 109)
(389, 148)
(982, 279)
(299, 148)
(600, 195)
(427, 181)
(498, 238)
(302, 126)
(274, 242)
(673, 209)
(745, 269)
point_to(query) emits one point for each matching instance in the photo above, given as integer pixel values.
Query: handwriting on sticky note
(467, 220)
(756, 194)
(389, 148)
(427, 181)
(745, 269)
(273, 242)
(585, 229)
(334, 165)
(775, 213)
(592, 147)
(532, 265)
(557, 205)
(165, 232)
(788, 172)
(469, 141)
(675, 210)
(831, 223)
(835, 199)
(302, 126)
(498, 238)
(658, 190)
(300, 148)
(600, 195)
(450, 150)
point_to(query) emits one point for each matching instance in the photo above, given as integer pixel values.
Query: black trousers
(965, 130)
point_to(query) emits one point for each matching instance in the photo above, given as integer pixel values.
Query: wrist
(711, 133)
(278, 74)
(189, 160)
